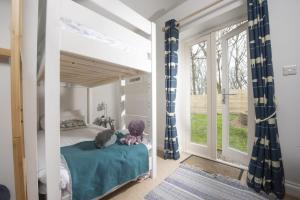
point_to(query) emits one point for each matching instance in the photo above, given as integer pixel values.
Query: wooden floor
(137, 191)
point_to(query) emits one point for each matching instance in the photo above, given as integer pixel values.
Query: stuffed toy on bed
(105, 138)
(136, 130)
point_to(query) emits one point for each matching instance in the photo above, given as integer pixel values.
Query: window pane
(199, 120)
(238, 103)
(219, 66)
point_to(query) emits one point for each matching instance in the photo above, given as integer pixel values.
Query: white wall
(71, 98)
(138, 101)
(108, 94)
(75, 98)
(6, 152)
(285, 31)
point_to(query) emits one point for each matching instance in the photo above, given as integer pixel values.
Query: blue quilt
(95, 171)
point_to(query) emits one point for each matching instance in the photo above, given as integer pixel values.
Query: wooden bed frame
(4, 54)
(16, 98)
(73, 58)
(90, 72)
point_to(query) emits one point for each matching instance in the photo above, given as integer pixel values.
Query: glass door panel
(218, 91)
(199, 139)
(238, 91)
(199, 119)
(235, 97)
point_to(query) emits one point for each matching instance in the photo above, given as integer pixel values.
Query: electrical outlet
(289, 70)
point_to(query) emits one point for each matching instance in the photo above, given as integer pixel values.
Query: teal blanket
(95, 171)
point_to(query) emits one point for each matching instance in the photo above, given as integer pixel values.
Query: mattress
(67, 138)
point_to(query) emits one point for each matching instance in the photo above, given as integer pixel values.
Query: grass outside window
(238, 133)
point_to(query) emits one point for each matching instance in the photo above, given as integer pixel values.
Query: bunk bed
(90, 50)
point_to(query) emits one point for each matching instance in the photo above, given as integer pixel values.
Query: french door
(237, 106)
(200, 141)
(221, 110)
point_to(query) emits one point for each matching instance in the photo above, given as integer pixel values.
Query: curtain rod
(180, 21)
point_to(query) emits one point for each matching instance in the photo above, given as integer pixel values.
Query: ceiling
(152, 9)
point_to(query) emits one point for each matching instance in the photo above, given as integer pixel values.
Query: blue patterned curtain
(265, 167)
(171, 64)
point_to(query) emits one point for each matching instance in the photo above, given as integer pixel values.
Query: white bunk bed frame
(70, 57)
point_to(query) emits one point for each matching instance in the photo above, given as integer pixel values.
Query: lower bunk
(87, 172)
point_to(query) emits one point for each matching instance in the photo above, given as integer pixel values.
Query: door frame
(231, 154)
(185, 61)
(190, 147)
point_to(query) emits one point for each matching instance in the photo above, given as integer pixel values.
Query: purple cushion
(136, 127)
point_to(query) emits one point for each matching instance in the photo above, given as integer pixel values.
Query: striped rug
(189, 183)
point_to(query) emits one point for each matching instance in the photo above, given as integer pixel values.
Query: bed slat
(88, 72)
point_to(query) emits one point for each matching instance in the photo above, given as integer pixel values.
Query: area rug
(214, 167)
(190, 183)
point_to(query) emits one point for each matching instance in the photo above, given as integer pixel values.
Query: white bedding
(67, 138)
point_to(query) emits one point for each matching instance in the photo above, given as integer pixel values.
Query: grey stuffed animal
(103, 137)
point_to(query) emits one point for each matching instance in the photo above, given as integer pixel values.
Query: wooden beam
(65, 54)
(84, 74)
(92, 63)
(4, 53)
(101, 82)
(16, 100)
(89, 72)
(68, 67)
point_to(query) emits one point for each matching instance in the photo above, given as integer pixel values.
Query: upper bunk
(96, 49)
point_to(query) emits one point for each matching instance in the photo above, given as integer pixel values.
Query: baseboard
(292, 188)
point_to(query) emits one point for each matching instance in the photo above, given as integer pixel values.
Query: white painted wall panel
(118, 44)
(106, 52)
(29, 78)
(104, 25)
(138, 101)
(71, 98)
(124, 12)
(108, 94)
(285, 31)
(52, 98)
(6, 151)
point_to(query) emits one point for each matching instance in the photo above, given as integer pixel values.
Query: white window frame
(185, 62)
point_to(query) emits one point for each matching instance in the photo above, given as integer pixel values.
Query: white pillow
(64, 115)
(71, 114)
